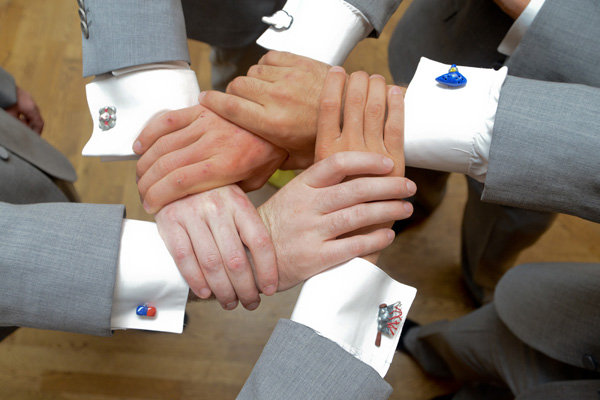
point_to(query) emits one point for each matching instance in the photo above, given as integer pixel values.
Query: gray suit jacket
(124, 33)
(544, 155)
(57, 260)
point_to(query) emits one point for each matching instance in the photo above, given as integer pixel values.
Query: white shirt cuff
(520, 27)
(138, 94)
(324, 30)
(450, 129)
(147, 274)
(342, 304)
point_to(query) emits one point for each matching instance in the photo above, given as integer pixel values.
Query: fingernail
(377, 76)
(231, 306)
(252, 306)
(411, 187)
(388, 162)
(391, 235)
(396, 90)
(137, 147)
(269, 290)
(201, 95)
(146, 206)
(408, 207)
(204, 293)
(337, 69)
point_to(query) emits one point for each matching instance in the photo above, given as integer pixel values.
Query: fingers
(335, 168)
(249, 88)
(354, 106)
(375, 113)
(256, 237)
(366, 214)
(394, 127)
(178, 243)
(279, 59)
(245, 113)
(211, 264)
(268, 73)
(340, 250)
(364, 190)
(164, 124)
(328, 125)
(233, 255)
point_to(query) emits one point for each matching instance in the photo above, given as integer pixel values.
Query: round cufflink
(108, 117)
(452, 78)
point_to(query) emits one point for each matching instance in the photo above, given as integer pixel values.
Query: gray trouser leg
(228, 63)
(479, 348)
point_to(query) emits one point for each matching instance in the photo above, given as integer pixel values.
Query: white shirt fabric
(342, 304)
(450, 129)
(146, 273)
(324, 30)
(520, 27)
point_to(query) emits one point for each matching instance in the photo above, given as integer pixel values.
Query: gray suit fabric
(299, 364)
(544, 156)
(8, 89)
(57, 260)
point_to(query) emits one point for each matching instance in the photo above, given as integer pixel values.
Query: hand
(201, 233)
(27, 111)
(193, 150)
(278, 100)
(513, 8)
(364, 125)
(308, 215)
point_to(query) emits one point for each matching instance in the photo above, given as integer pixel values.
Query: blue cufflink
(388, 320)
(453, 78)
(145, 310)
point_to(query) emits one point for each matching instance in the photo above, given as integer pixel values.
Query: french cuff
(342, 304)
(450, 129)
(324, 30)
(518, 29)
(147, 275)
(122, 103)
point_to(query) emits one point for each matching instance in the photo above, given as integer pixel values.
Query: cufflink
(388, 320)
(108, 117)
(453, 78)
(280, 21)
(145, 310)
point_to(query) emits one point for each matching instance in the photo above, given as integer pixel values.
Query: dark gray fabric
(24, 142)
(580, 390)
(227, 23)
(554, 309)
(123, 33)
(463, 32)
(545, 148)
(58, 265)
(8, 89)
(378, 12)
(297, 363)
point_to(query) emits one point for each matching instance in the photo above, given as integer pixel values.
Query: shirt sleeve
(147, 275)
(325, 30)
(450, 129)
(519, 27)
(122, 103)
(342, 305)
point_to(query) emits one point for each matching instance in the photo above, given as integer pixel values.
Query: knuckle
(339, 223)
(262, 242)
(181, 254)
(236, 262)
(355, 99)
(357, 247)
(232, 107)
(211, 263)
(178, 179)
(374, 111)
(237, 84)
(337, 162)
(256, 70)
(329, 105)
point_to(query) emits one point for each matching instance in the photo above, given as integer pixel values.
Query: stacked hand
(27, 111)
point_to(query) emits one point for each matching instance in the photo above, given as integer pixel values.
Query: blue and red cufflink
(453, 78)
(388, 320)
(146, 310)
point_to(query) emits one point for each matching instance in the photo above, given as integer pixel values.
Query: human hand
(513, 8)
(201, 233)
(27, 111)
(278, 100)
(365, 127)
(193, 150)
(308, 217)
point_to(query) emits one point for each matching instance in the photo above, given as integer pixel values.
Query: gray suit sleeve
(378, 12)
(545, 148)
(297, 363)
(125, 33)
(8, 89)
(58, 265)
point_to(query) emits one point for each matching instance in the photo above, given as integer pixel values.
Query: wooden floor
(40, 45)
